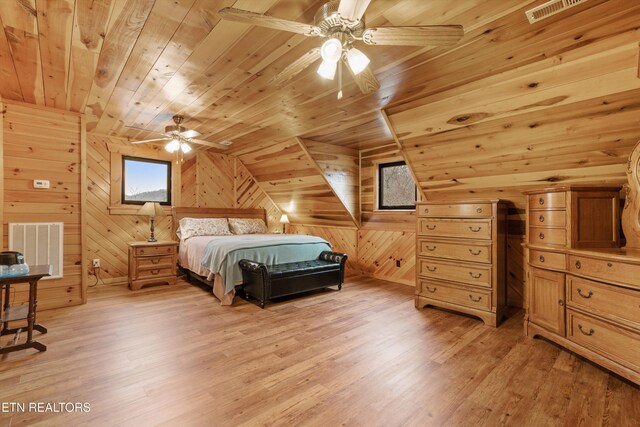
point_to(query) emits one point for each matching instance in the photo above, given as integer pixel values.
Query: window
(396, 188)
(145, 180)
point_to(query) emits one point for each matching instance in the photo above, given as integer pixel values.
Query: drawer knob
(475, 230)
(583, 295)
(541, 258)
(475, 300)
(426, 210)
(155, 271)
(541, 218)
(578, 265)
(479, 210)
(541, 235)
(432, 270)
(432, 291)
(609, 264)
(560, 302)
(431, 249)
(541, 201)
(478, 252)
(155, 260)
(431, 227)
(587, 333)
(475, 276)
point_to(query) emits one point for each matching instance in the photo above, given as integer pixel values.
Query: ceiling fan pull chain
(339, 79)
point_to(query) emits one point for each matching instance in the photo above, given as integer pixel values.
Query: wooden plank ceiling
(139, 62)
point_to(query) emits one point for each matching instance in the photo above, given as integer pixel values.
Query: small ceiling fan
(179, 137)
(341, 23)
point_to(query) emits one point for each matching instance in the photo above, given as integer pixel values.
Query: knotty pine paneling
(292, 179)
(340, 166)
(107, 232)
(248, 194)
(41, 143)
(343, 240)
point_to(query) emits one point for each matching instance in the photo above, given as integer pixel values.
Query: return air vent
(550, 8)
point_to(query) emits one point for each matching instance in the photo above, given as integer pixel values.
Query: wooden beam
(1, 174)
(404, 155)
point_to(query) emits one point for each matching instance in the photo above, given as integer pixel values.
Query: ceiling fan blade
(365, 80)
(208, 143)
(295, 67)
(253, 18)
(150, 140)
(424, 35)
(190, 133)
(352, 10)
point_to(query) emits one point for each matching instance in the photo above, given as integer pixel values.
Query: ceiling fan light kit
(342, 23)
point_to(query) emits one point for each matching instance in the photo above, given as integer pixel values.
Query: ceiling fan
(179, 137)
(341, 23)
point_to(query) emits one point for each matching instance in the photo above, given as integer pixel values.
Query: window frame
(146, 160)
(380, 189)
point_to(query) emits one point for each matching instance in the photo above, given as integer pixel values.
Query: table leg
(31, 316)
(5, 307)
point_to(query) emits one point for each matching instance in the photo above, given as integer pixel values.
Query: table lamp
(284, 220)
(152, 210)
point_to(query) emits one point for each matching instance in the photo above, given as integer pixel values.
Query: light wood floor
(362, 356)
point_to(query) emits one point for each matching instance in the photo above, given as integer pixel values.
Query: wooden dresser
(152, 262)
(461, 249)
(583, 290)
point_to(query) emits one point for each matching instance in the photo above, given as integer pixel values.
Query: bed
(213, 260)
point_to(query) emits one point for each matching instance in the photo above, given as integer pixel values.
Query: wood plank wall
(293, 180)
(572, 117)
(385, 238)
(42, 143)
(108, 232)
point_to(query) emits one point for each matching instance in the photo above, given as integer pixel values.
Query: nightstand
(152, 262)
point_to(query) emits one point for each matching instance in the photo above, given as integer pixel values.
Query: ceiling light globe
(331, 50)
(327, 69)
(357, 60)
(185, 147)
(172, 146)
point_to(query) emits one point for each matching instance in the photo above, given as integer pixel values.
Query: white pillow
(247, 226)
(190, 227)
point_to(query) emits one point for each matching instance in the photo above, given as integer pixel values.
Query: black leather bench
(263, 282)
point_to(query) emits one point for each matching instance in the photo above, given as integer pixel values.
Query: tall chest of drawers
(583, 290)
(461, 249)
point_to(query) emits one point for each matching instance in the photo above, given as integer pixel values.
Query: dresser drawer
(548, 201)
(547, 218)
(464, 251)
(148, 273)
(460, 295)
(155, 250)
(461, 228)
(548, 236)
(606, 300)
(615, 342)
(474, 274)
(155, 261)
(606, 270)
(467, 210)
(546, 259)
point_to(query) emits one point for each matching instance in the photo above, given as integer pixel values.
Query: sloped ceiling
(139, 62)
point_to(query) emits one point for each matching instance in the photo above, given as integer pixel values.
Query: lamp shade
(284, 219)
(172, 146)
(357, 60)
(151, 209)
(327, 69)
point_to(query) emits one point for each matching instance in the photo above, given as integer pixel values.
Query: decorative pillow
(190, 227)
(247, 226)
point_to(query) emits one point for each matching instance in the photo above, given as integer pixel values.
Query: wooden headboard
(177, 213)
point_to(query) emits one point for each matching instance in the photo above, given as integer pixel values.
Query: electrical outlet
(397, 263)
(96, 263)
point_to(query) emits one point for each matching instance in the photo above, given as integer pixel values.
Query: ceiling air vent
(550, 8)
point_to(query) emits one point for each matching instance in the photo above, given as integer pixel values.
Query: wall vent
(550, 8)
(40, 243)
